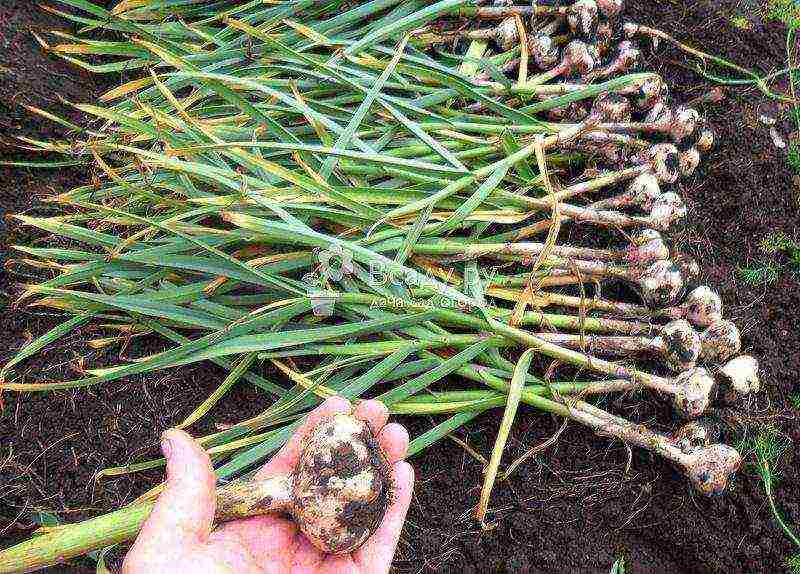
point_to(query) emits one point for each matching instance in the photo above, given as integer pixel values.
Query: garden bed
(578, 505)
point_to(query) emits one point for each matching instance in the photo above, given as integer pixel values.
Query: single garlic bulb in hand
(338, 492)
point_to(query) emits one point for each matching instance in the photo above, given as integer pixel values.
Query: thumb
(184, 512)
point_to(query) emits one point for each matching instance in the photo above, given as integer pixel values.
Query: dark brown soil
(577, 506)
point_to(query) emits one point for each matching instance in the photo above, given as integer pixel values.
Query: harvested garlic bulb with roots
(338, 492)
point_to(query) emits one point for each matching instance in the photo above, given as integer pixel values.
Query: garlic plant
(361, 190)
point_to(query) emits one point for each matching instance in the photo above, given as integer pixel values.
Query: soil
(575, 507)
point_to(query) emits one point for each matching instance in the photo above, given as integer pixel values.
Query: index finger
(286, 459)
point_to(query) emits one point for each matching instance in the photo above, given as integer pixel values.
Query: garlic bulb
(338, 492)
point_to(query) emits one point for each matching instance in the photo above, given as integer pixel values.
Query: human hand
(177, 537)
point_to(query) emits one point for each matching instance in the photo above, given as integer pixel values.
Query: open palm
(178, 537)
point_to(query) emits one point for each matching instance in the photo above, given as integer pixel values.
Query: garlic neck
(244, 498)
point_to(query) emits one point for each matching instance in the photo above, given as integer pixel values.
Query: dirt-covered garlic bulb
(720, 341)
(544, 50)
(582, 19)
(660, 113)
(680, 345)
(689, 159)
(662, 284)
(648, 246)
(642, 192)
(696, 434)
(610, 9)
(338, 493)
(690, 268)
(652, 91)
(507, 34)
(693, 392)
(667, 209)
(628, 56)
(630, 29)
(579, 57)
(664, 161)
(702, 306)
(613, 107)
(741, 376)
(711, 468)
(684, 122)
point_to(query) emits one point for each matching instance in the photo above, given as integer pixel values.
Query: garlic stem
(702, 307)
(690, 390)
(647, 246)
(708, 468)
(677, 344)
(243, 498)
